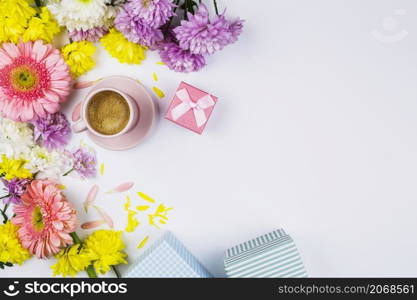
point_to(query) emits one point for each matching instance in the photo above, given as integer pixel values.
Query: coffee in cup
(108, 112)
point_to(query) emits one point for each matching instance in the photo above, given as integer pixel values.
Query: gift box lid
(270, 255)
(167, 258)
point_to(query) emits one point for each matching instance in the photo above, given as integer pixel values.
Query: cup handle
(79, 126)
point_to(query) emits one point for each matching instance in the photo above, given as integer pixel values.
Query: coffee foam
(108, 113)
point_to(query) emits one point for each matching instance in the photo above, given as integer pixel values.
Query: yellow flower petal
(102, 169)
(127, 203)
(146, 197)
(142, 207)
(132, 221)
(155, 77)
(158, 92)
(143, 242)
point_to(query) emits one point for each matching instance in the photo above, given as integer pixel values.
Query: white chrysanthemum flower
(46, 164)
(114, 6)
(16, 138)
(79, 14)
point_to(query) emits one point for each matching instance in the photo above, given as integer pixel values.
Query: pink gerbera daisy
(45, 218)
(34, 80)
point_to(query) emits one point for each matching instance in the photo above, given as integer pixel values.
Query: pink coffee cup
(83, 123)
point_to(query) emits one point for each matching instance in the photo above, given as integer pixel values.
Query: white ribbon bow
(197, 107)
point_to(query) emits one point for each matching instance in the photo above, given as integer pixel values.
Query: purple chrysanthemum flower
(136, 30)
(54, 130)
(15, 188)
(84, 162)
(154, 13)
(92, 35)
(202, 36)
(181, 60)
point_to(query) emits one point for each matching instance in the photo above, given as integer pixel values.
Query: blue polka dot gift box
(272, 255)
(167, 258)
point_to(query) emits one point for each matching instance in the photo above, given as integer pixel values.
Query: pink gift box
(191, 108)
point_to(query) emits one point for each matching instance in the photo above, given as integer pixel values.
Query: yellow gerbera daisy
(72, 260)
(106, 247)
(13, 168)
(41, 27)
(122, 49)
(79, 57)
(11, 251)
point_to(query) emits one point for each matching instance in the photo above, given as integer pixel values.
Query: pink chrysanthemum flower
(34, 80)
(92, 34)
(45, 218)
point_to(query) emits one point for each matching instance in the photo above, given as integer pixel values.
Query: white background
(315, 132)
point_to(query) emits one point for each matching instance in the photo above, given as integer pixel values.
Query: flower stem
(66, 173)
(5, 196)
(91, 272)
(90, 269)
(176, 2)
(215, 7)
(3, 213)
(186, 10)
(38, 3)
(76, 238)
(114, 268)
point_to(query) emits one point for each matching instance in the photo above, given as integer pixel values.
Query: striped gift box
(167, 258)
(272, 255)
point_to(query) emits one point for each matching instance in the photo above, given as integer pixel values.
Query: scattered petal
(92, 224)
(143, 242)
(142, 207)
(105, 216)
(91, 196)
(76, 113)
(61, 187)
(158, 92)
(122, 188)
(127, 203)
(102, 169)
(132, 221)
(160, 63)
(152, 221)
(85, 84)
(160, 215)
(155, 77)
(162, 209)
(146, 197)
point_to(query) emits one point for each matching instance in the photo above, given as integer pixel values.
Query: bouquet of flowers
(36, 78)
(44, 221)
(180, 30)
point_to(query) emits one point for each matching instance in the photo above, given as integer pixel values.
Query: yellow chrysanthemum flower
(122, 49)
(13, 168)
(14, 16)
(10, 248)
(106, 247)
(11, 29)
(79, 57)
(72, 260)
(16, 8)
(41, 27)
